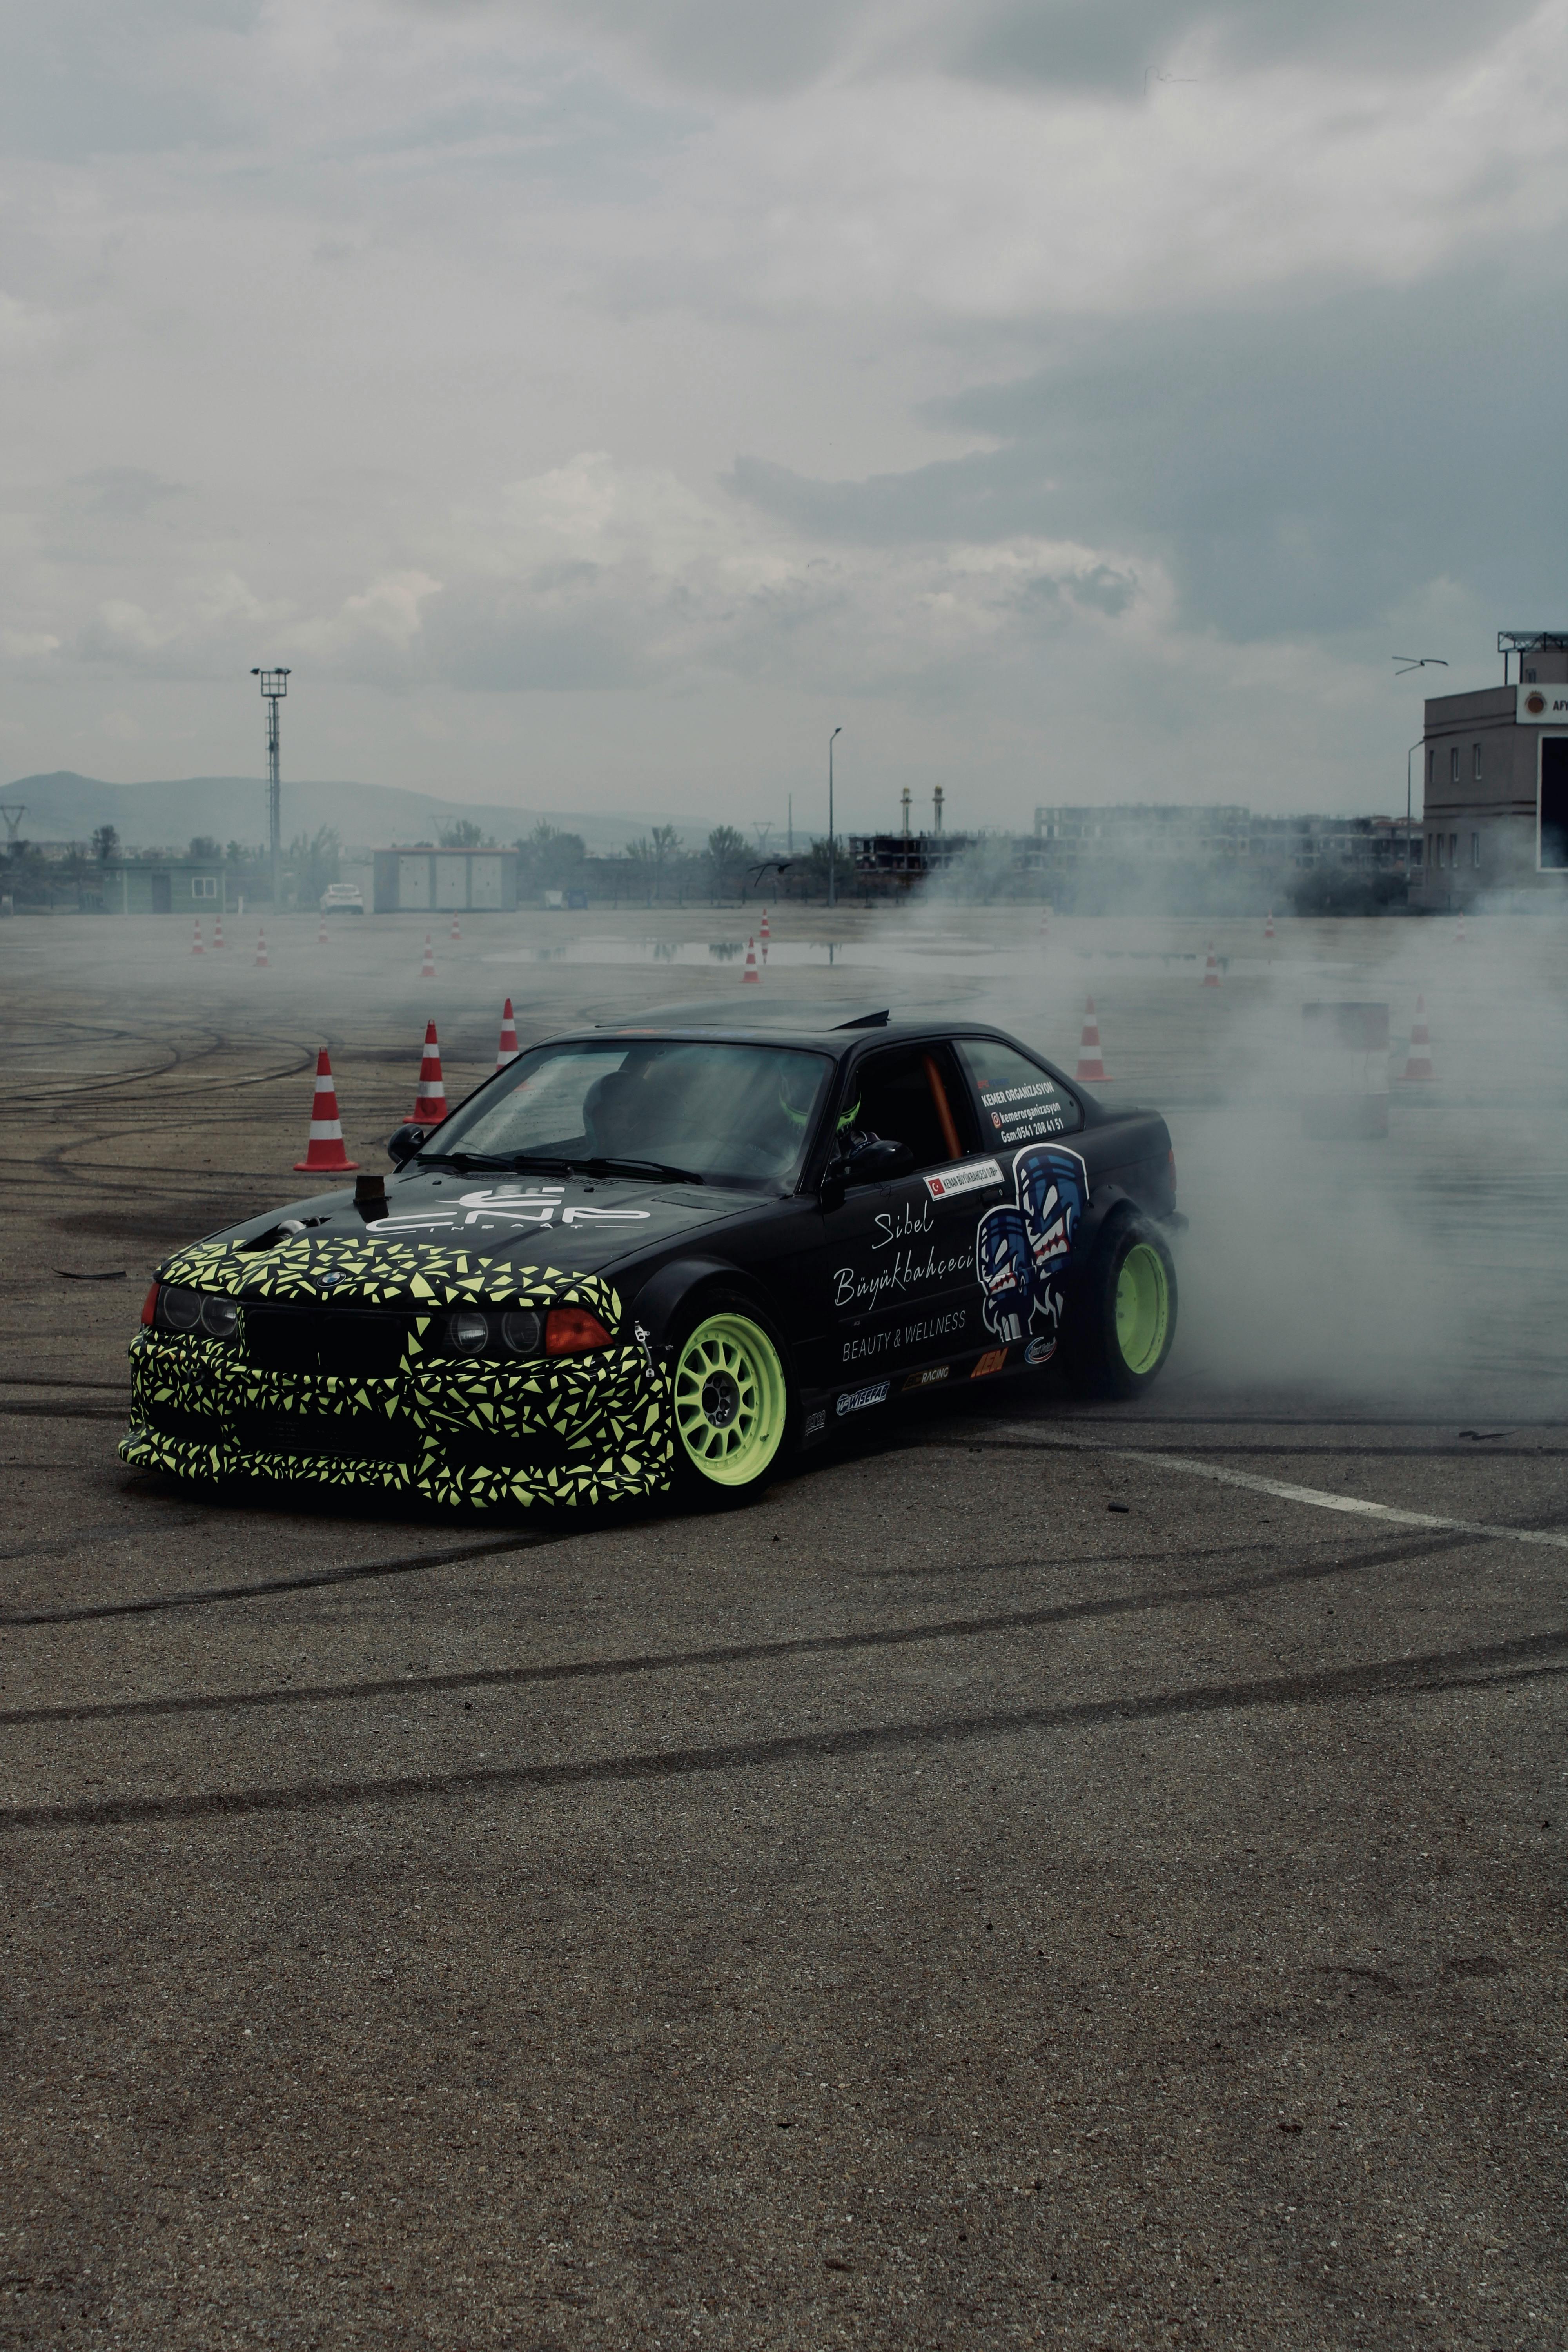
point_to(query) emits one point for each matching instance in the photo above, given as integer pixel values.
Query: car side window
(1018, 1102)
(913, 1094)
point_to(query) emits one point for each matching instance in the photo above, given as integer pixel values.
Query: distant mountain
(67, 807)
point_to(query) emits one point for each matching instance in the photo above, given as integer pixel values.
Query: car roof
(836, 1027)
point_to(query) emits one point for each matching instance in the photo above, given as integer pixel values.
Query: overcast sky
(596, 404)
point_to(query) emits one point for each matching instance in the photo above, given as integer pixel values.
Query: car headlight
(467, 1333)
(179, 1309)
(522, 1332)
(220, 1317)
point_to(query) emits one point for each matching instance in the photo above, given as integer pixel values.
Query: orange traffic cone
(427, 969)
(1419, 1066)
(765, 934)
(507, 1050)
(1211, 968)
(218, 932)
(261, 951)
(325, 1150)
(1090, 1069)
(430, 1108)
(196, 947)
(457, 927)
(1268, 926)
(750, 973)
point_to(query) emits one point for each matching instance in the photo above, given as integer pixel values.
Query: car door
(1027, 1243)
(895, 1279)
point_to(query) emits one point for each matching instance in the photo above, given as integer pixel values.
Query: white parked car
(342, 898)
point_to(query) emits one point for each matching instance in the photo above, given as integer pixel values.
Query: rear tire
(1128, 1310)
(731, 1403)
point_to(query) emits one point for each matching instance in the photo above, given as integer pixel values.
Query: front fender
(659, 1301)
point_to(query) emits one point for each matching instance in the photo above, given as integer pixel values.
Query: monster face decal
(1022, 1254)
(1002, 1269)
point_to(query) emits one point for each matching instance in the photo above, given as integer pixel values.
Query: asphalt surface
(1031, 1879)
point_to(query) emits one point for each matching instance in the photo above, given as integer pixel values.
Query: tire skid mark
(210, 1596)
(1496, 1665)
(949, 1629)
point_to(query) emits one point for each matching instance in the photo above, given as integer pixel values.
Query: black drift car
(666, 1255)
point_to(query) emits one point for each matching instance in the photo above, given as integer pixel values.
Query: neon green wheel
(1143, 1309)
(731, 1400)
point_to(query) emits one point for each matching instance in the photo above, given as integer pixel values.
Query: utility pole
(13, 815)
(832, 876)
(274, 687)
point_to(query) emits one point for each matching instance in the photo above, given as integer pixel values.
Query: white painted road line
(1554, 1540)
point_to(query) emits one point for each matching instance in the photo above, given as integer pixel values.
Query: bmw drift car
(670, 1256)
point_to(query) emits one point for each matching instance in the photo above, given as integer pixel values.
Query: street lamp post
(1408, 757)
(274, 687)
(832, 876)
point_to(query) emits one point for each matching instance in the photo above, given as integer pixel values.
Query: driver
(614, 1116)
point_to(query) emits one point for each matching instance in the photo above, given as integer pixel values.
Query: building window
(1437, 850)
(1478, 753)
(1475, 849)
(1453, 765)
(1453, 849)
(1431, 766)
(203, 885)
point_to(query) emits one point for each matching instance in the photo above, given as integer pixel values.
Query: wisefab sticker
(1024, 1249)
(857, 1400)
(971, 1178)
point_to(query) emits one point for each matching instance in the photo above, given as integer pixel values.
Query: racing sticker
(934, 1375)
(857, 1400)
(973, 1177)
(538, 1205)
(1021, 1113)
(1023, 1250)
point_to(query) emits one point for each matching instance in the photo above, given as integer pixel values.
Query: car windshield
(730, 1114)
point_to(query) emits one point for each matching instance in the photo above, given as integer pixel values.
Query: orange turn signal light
(569, 1330)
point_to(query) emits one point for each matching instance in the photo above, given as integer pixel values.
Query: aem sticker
(972, 1178)
(858, 1398)
(929, 1378)
(991, 1361)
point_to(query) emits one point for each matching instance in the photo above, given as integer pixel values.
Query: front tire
(1129, 1311)
(731, 1404)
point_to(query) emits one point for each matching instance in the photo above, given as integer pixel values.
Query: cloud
(1081, 382)
(1296, 472)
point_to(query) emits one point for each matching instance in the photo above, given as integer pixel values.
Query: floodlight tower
(274, 687)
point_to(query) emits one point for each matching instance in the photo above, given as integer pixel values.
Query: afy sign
(1542, 706)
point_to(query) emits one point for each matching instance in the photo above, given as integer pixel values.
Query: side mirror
(876, 1161)
(404, 1142)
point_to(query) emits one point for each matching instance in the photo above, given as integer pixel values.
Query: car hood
(446, 1237)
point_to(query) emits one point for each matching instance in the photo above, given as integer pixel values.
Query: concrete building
(1495, 781)
(425, 881)
(163, 886)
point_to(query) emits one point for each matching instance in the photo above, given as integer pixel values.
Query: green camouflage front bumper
(590, 1428)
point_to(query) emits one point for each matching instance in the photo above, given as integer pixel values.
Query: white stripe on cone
(1090, 1069)
(325, 1152)
(506, 1050)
